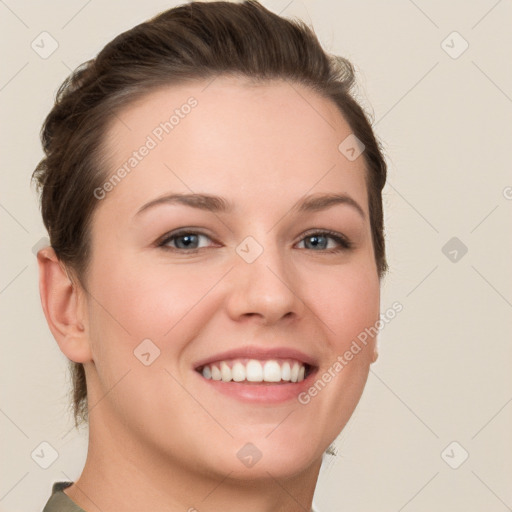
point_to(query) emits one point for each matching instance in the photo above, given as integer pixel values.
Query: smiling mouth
(255, 371)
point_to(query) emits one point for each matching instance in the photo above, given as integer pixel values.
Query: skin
(160, 429)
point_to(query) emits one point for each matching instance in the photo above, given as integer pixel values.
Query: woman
(212, 194)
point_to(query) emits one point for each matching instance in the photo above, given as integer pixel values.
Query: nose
(267, 289)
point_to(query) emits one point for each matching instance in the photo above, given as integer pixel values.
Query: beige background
(444, 369)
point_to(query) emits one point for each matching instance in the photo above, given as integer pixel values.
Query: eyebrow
(217, 204)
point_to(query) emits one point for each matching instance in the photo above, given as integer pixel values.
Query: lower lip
(265, 393)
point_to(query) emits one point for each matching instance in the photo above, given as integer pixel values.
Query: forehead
(229, 137)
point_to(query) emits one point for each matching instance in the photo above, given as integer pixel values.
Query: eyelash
(343, 242)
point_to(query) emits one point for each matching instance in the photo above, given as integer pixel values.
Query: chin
(268, 457)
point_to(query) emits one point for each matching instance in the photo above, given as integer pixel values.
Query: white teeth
(286, 371)
(216, 375)
(294, 374)
(238, 372)
(253, 370)
(272, 372)
(225, 372)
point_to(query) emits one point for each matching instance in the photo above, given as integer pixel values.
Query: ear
(64, 307)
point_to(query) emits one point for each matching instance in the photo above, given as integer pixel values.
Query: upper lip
(255, 352)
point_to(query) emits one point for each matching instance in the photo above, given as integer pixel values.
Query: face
(262, 279)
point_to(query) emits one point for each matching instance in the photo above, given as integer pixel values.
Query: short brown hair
(198, 40)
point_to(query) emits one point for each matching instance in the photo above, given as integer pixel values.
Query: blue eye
(320, 240)
(188, 241)
(183, 240)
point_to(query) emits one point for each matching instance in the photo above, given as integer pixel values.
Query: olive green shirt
(61, 502)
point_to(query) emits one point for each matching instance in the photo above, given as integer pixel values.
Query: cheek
(136, 300)
(143, 300)
(131, 303)
(347, 300)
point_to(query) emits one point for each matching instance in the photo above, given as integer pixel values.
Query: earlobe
(63, 307)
